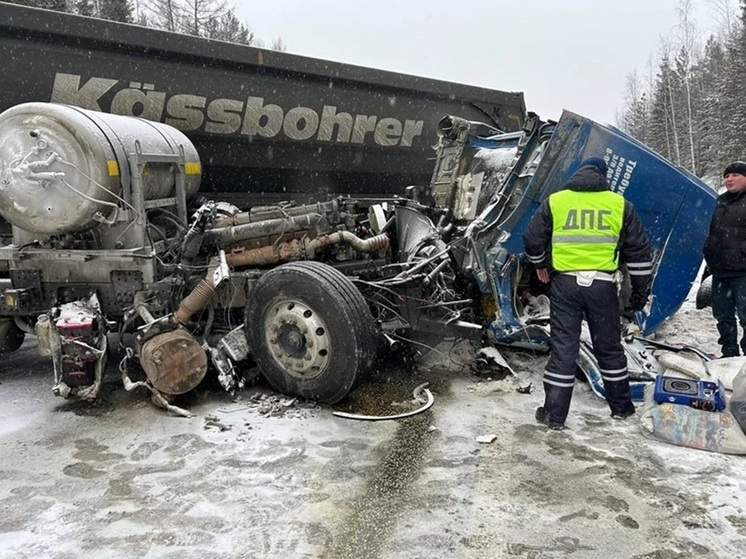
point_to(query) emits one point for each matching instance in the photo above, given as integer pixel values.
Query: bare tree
(668, 98)
(687, 29)
(197, 14)
(725, 14)
(138, 12)
(164, 14)
(634, 116)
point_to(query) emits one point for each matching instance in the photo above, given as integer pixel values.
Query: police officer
(583, 233)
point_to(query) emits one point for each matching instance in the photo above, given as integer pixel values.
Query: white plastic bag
(738, 398)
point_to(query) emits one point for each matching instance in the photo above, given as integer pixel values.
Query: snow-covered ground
(262, 476)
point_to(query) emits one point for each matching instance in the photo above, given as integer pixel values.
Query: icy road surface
(262, 476)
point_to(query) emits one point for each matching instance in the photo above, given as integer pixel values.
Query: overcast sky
(572, 54)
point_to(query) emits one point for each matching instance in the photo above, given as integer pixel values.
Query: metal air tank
(63, 168)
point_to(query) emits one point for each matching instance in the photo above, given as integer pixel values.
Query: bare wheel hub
(298, 339)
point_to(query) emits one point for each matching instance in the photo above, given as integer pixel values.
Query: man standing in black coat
(725, 254)
(583, 233)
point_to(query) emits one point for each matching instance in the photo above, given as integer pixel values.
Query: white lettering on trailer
(260, 119)
(388, 131)
(412, 129)
(255, 117)
(150, 102)
(301, 123)
(224, 116)
(186, 112)
(363, 125)
(329, 119)
(66, 89)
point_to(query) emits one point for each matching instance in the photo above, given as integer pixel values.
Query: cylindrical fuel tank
(61, 165)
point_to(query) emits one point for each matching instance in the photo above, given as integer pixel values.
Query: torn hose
(417, 393)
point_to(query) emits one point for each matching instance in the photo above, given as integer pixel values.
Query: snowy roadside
(263, 476)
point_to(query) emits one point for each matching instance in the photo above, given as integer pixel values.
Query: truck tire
(11, 336)
(310, 331)
(704, 294)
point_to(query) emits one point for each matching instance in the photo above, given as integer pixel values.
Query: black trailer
(270, 124)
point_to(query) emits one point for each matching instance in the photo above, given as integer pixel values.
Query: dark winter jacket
(633, 247)
(725, 248)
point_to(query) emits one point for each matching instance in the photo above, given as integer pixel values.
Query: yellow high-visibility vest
(586, 229)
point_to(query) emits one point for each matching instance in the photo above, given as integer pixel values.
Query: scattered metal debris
(489, 361)
(233, 409)
(212, 422)
(675, 347)
(527, 389)
(274, 405)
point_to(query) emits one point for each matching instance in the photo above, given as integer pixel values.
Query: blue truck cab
(502, 179)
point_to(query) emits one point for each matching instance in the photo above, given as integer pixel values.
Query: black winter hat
(738, 167)
(598, 163)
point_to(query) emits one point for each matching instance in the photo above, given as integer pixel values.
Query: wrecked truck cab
(674, 206)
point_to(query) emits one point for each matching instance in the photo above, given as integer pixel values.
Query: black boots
(543, 417)
(624, 412)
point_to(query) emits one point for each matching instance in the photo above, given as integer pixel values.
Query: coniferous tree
(57, 5)
(696, 107)
(115, 10)
(634, 118)
(227, 27)
(84, 8)
(733, 97)
(661, 137)
(711, 113)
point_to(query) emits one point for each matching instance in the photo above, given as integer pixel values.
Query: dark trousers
(599, 304)
(729, 301)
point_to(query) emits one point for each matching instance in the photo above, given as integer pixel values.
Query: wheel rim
(298, 339)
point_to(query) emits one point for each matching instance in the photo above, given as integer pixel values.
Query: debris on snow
(212, 422)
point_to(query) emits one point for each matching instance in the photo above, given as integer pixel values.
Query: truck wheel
(11, 336)
(310, 331)
(704, 293)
